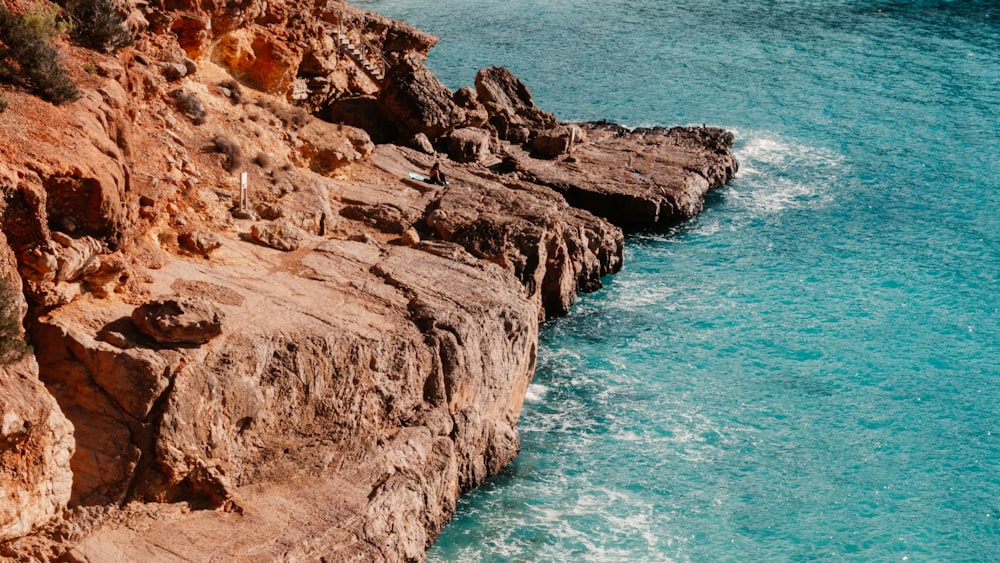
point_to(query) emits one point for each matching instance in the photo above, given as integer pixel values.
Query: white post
(244, 198)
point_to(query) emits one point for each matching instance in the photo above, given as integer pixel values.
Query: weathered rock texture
(36, 440)
(316, 363)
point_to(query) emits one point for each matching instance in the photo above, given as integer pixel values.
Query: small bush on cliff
(228, 147)
(45, 21)
(231, 89)
(189, 105)
(29, 60)
(98, 25)
(12, 344)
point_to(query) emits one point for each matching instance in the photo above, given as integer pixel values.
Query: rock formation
(254, 335)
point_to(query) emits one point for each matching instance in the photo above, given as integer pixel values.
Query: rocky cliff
(254, 335)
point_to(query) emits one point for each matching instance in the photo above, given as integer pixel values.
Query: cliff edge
(256, 331)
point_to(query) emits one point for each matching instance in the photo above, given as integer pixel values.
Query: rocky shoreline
(315, 367)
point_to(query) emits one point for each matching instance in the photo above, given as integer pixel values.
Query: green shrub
(44, 21)
(97, 25)
(29, 60)
(12, 344)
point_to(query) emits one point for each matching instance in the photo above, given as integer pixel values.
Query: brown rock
(508, 101)
(469, 145)
(557, 141)
(36, 440)
(421, 143)
(179, 321)
(362, 112)
(646, 178)
(416, 101)
(280, 234)
(410, 237)
(555, 250)
(256, 56)
(200, 241)
(327, 147)
(173, 71)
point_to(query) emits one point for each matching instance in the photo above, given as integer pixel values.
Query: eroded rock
(280, 234)
(469, 145)
(327, 147)
(180, 320)
(416, 101)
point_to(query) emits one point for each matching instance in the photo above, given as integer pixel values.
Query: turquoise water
(810, 370)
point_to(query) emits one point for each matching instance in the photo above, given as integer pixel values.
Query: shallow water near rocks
(809, 370)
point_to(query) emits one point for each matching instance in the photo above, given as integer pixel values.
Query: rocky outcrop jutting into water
(255, 335)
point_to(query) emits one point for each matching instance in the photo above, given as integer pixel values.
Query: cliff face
(318, 363)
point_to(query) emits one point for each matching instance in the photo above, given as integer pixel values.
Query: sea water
(810, 369)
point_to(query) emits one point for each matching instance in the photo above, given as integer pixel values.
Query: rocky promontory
(256, 333)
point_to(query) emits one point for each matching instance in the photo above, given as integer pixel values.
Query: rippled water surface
(810, 370)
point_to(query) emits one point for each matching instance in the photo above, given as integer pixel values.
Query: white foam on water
(536, 393)
(777, 174)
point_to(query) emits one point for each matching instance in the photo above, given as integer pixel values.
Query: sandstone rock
(173, 71)
(36, 444)
(199, 242)
(362, 112)
(327, 147)
(302, 382)
(554, 249)
(36, 440)
(256, 56)
(193, 30)
(469, 145)
(280, 234)
(179, 321)
(416, 101)
(410, 237)
(385, 217)
(114, 272)
(475, 114)
(76, 257)
(512, 110)
(110, 69)
(421, 143)
(639, 179)
(557, 141)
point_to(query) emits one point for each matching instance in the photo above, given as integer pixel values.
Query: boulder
(410, 237)
(421, 143)
(183, 320)
(199, 241)
(280, 234)
(415, 101)
(469, 145)
(173, 71)
(512, 111)
(557, 141)
(325, 147)
(642, 178)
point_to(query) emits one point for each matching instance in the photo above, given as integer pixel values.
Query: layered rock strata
(259, 336)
